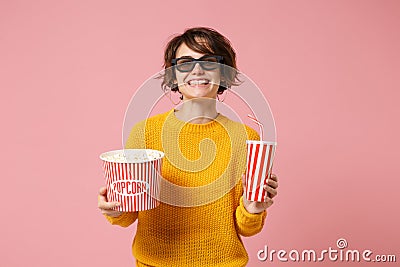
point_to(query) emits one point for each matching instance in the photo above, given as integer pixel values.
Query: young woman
(203, 210)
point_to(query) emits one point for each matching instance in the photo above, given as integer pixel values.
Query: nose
(197, 69)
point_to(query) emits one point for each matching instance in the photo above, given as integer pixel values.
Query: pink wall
(328, 68)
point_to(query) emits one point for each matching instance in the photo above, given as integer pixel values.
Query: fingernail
(117, 204)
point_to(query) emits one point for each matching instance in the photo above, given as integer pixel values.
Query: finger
(244, 181)
(103, 191)
(272, 183)
(102, 194)
(269, 201)
(244, 186)
(102, 198)
(274, 177)
(103, 205)
(272, 191)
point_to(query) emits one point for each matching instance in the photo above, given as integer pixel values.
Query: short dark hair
(206, 41)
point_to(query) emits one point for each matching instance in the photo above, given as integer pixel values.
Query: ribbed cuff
(122, 220)
(247, 218)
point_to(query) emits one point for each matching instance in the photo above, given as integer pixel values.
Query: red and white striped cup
(260, 156)
(132, 178)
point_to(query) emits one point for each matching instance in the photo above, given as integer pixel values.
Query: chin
(196, 92)
(192, 97)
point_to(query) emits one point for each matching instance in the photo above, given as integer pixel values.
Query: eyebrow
(193, 57)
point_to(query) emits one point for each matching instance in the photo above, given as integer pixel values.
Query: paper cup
(132, 178)
(260, 156)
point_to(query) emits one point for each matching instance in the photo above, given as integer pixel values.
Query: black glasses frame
(192, 62)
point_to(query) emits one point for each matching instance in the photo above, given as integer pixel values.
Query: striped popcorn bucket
(260, 156)
(132, 178)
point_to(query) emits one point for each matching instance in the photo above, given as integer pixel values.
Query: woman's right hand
(105, 206)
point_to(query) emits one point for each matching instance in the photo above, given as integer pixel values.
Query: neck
(198, 111)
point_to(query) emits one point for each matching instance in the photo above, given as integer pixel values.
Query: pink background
(328, 68)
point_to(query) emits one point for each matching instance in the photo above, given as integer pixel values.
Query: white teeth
(197, 82)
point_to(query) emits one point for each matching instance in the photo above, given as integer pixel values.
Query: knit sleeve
(136, 139)
(248, 224)
(124, 220)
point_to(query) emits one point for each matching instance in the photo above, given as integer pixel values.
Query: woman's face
(197, 83)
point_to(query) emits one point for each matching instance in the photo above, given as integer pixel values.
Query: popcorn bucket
(260, 156)
(132, 178)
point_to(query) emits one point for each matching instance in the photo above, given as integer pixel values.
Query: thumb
(244, 186)
(244, 182)
(103, 191)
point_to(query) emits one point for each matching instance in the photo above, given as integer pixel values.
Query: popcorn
(131, 156)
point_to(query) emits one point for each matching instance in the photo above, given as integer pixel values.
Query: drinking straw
(251, 117)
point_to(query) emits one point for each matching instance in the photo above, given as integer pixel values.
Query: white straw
(251, 117)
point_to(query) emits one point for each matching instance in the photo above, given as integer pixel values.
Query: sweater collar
(213, 125)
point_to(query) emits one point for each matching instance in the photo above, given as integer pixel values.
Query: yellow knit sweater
(201, 218)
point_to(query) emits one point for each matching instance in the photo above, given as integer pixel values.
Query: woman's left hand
(270, 188)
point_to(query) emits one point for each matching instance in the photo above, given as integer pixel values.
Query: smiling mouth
(196, 82)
